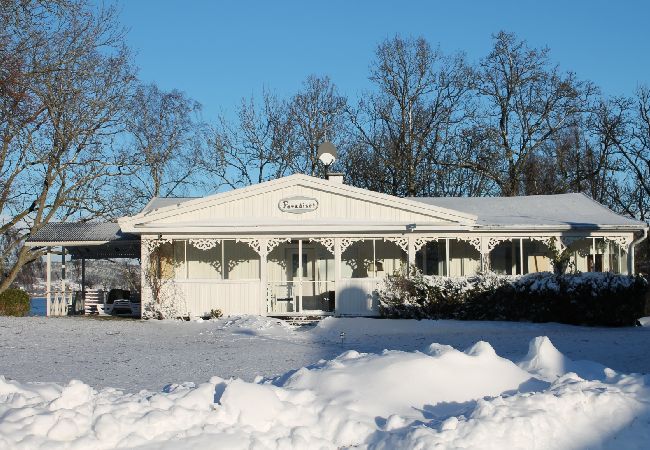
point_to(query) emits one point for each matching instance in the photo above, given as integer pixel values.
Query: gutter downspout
(630, 253)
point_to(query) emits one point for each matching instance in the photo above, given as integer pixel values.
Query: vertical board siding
(331, 206)
(231, 297)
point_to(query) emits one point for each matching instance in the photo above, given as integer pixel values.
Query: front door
(304, 286)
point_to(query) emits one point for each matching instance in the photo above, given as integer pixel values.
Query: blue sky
(220, 51)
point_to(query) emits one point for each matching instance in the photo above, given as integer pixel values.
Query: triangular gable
(296, 199)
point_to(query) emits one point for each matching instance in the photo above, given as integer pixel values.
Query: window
(372, 258)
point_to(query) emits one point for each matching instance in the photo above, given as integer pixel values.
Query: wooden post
(62, 305)
(83, 285)
(411, 251)
(521, 256)
(337, 272)
(299, 275)
(447, 258)
(48, 294)
(263, 277)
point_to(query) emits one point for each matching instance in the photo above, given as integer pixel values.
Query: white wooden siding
(331, 206)
(231, 297)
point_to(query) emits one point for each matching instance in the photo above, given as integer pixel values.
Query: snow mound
(439, 398)
(547, 363)
(408, 381)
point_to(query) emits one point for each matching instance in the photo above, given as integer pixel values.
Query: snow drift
(442, 397)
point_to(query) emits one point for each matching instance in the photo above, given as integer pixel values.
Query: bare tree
(525, 102)
(257, 148)
(62, 91)
(405, 126)
(317, 115)
(166, 134)
(636, 152)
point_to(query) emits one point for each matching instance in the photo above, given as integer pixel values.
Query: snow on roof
(162, 202)
(574, 210)
(81, 232)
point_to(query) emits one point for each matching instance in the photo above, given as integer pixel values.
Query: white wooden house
(301, 245)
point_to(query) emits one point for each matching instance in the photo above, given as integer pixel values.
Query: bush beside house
(14, 302)
(582, 299)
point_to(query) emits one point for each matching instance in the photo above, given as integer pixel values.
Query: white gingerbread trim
(400, 241)
(263, 246)
(474, 241)
(328, 243)
(204, 243)
(493, 241)
(421, 241)
(346, 242)
(152, 244)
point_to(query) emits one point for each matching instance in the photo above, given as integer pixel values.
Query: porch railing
(291, 297)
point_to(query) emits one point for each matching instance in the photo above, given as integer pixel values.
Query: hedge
(14, 302)
(582, 299)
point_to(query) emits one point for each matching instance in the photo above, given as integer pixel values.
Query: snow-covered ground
(238, 383)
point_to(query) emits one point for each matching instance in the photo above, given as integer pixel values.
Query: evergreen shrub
(14, 302)
(604, 299)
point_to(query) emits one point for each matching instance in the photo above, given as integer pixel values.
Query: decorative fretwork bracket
(263, 246)
(346, 242)
(328, 243)
(152, 244)
(402, 242)
(421, 241)
(204, 243)
(474, 241)
(496, 240)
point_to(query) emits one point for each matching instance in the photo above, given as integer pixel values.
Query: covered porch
(84, 242)
(339, 275)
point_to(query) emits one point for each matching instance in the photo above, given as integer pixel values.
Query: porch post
(593, 254)
(485, 254)
(448, 257)
(521, 256)
(300, 275)
(83, 285)
(144, 287)
(63, 272)
(337, 273)
(411, 250)
(48, 294)
(263, 277)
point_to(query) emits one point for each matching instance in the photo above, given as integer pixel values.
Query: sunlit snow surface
(435, 396)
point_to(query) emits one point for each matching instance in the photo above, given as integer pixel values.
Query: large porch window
(597, 254)
(372, 258)
(226, 260)
(464, 260)
(520, 256)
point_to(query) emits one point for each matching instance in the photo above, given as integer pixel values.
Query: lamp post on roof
(327, 155)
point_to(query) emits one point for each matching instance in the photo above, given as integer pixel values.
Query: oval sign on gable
(298, 205)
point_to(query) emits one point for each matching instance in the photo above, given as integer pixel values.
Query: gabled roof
(164, 209)
(576, 211)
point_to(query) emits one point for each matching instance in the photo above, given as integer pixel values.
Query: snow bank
(441, 397)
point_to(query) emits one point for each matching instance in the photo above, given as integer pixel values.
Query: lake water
(37, 306)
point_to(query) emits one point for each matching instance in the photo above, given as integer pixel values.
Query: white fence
(57, 303)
